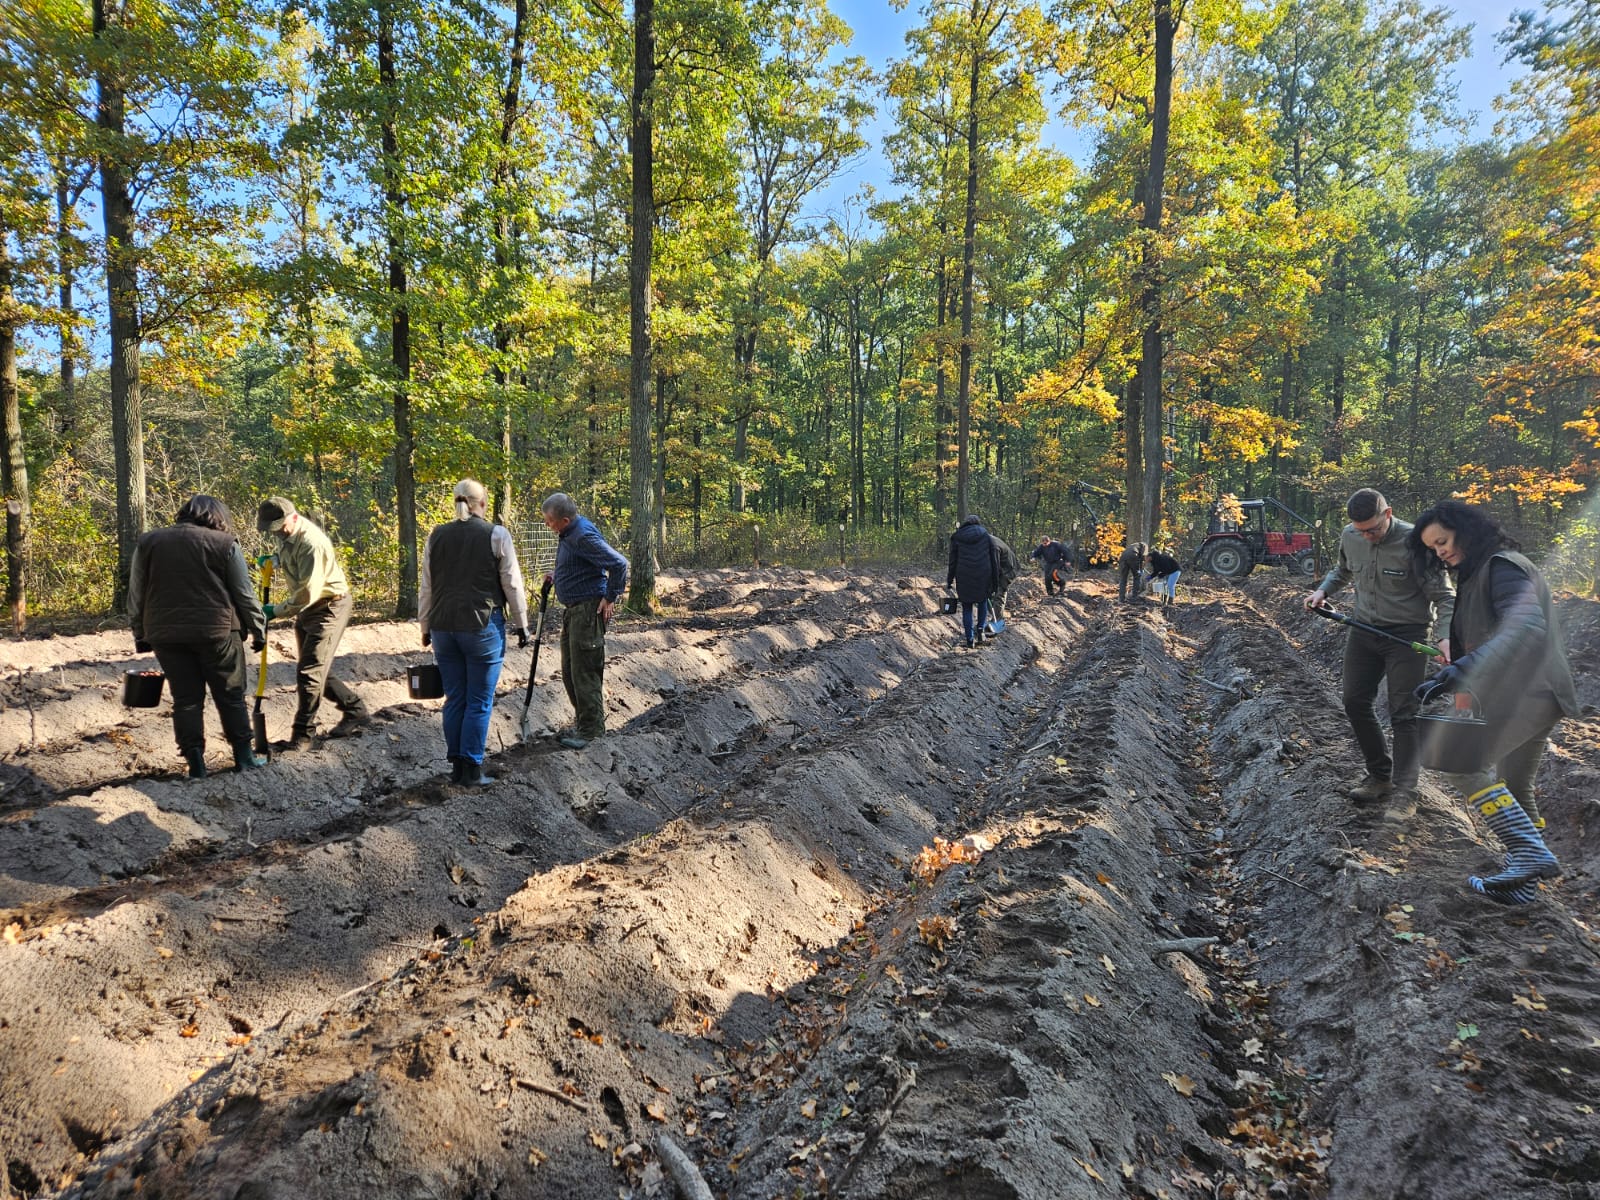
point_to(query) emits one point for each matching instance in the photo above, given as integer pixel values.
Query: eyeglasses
(1378, 528)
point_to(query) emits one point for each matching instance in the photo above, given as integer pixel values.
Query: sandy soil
(837, 908)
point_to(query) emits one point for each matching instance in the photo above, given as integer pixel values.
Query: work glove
(270, 609)
(140, 646)
(522, 639)
(257, 644)
(1446, 682)
(427, 639)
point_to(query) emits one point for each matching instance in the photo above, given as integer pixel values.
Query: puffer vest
(464, 576)
(186, 595)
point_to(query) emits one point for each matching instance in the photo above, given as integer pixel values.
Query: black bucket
(425, 682)
(142, 689)
(1456, 742)
(949, 604)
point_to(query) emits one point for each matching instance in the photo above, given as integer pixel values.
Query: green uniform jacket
(1388, 592)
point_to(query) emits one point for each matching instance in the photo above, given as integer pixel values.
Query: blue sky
(880, 36)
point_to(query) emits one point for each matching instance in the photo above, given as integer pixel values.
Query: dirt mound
(1168, 959)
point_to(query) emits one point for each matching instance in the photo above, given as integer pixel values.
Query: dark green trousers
(1369, 661)
(317, 631)
(583, 666)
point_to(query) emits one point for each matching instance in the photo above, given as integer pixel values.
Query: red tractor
(1234, 548)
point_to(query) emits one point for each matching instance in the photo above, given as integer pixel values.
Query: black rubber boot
(196, 758)
(457, 765)
(472, 774)
(245, 757)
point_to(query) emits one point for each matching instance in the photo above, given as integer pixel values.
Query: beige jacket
(309, 569)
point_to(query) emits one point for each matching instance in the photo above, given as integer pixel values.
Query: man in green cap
(319, 601)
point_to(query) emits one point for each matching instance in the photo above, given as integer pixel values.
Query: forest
(353, 251)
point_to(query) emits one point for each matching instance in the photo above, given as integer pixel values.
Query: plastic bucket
(425, 682)
(949, 604)
(142, 689)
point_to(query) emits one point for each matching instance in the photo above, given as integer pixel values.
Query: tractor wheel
(1230, 559)
(1304, 563)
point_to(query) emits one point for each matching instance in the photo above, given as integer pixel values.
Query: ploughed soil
(837, 909)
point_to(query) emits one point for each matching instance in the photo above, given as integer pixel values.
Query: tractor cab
(1250, 533)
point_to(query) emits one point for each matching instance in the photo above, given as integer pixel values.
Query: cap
(273, 512)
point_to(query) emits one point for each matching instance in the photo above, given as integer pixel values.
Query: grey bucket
(1456, 742)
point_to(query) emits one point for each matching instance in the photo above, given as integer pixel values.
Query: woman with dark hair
(470, 578)
(189, 599)
(1508, 653)
(974, 572)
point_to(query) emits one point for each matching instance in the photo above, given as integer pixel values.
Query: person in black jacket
(1054, 557)
(1164, 572)
(1130, 567)
(470, 578)
(189, 597)
(1506, 650)
(974, 572)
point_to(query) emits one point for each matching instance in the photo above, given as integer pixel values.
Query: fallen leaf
(537, 1157)
(1253, 1049)
(1127, 1170)
(239, 1039)
(599, 1140)
(894, 974)
(1530, 1005)
(1465, 1030)
(657, 1110)
(189, 1030)
(1092, 1173)
(851, 1088)
(163, 952)
(13, 933)
(1103, 879)
(1181, 1084)
(1091, 1000)
(808, 1110)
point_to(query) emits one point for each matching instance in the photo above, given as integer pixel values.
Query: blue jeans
(1168, 585)
(966, 615)
(469, 663)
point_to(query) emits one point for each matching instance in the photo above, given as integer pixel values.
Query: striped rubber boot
(1527, 857)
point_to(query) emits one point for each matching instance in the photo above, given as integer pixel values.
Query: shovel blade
(259, 724)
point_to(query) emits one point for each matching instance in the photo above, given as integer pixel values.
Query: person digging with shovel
(1395, 597)
(319, 601)
(1510, 656)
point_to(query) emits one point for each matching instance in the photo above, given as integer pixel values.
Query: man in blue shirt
(590, 577)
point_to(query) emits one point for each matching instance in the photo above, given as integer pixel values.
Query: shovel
(259, 719)
(1334, 614)
(533, 668)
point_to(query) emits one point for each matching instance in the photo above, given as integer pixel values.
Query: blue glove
(270, 609)
(1447, 681)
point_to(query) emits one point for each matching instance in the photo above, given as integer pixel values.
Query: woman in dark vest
(469, 578)
(1506, 649)
(189, 596)
(974, 572)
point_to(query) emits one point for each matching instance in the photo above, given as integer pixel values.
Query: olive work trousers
(317, 630)
(583, 666)
(1368, 661)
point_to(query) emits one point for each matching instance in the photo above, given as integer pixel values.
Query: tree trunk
(405, 483)
(969, 254)
(65, 301)
(122, 303)
(1150, 382)
(1133, 444)
(941, 403)
(642, 597)
(505, 247)
(13, 461)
